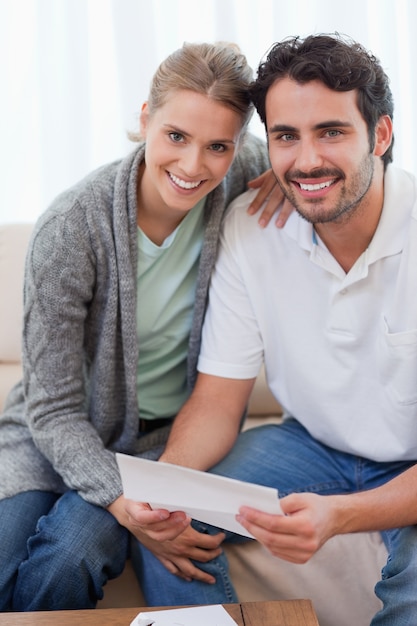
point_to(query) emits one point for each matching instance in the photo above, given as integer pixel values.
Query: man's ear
(143, 119)
(383, 135)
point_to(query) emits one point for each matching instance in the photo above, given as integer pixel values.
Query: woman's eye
(176, 137)
(218, 147)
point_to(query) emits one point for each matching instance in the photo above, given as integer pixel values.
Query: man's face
(319, 149)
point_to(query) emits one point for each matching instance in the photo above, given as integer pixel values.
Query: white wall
(74, 74)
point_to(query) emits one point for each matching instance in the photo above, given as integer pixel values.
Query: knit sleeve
(60, 294)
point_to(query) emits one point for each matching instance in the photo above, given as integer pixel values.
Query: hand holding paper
(205, 497)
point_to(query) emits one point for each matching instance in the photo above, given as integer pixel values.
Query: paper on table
(205, 497)
(213, 615)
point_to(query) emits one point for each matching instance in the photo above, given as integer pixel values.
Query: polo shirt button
(343, 291)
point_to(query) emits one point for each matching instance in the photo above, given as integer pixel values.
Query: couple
(327, 302)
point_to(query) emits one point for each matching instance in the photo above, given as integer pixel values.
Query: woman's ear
(143, 119)
(383, 135)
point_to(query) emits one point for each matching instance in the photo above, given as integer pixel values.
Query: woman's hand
(270, 191)
(157, 524)
(178, 555)
(169, 537)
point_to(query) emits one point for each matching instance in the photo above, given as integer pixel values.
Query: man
(334, 318)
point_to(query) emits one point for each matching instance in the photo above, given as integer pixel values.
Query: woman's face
(191, 141)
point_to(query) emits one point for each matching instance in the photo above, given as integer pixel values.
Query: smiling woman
(191, 141)
(116, 289)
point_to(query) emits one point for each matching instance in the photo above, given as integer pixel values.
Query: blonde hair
(218, 70)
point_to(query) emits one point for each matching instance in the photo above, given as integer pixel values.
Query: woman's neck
(154, 218)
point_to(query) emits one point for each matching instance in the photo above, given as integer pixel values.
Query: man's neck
(348, 238)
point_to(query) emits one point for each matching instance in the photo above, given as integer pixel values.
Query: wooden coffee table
(279, 613)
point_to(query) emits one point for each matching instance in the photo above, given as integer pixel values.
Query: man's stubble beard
(350, 199)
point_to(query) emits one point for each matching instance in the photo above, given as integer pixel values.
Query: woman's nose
(192, 162)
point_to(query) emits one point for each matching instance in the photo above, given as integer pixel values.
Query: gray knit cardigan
(77, 403)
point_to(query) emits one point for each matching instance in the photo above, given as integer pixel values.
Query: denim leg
(285, 457)
(398, 587)
(161, 588)
(76, 548)
(18, 520)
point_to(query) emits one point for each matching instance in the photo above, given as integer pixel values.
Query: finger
(143, 513)
(269, 209)
(173, 569)
(262, 525)
(281, 546)
(170, 533)
(187, 570)
(286, 210)
(258, 181)
(204, 540)
(202, 556)
(165, 530)
(293, 542)
(176, 518)
(146, 517)
(262, 195)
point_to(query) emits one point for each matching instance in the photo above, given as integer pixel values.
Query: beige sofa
(340, 577)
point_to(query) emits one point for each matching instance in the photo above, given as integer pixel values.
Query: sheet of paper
(213, 615)
(205, 497)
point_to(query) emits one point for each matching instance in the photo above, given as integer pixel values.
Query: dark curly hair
(337, 61)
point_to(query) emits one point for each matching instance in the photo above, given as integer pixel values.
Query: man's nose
(309, 156)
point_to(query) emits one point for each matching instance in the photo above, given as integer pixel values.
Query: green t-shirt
(166, 280)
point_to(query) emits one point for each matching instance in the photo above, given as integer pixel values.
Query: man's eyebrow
(282, 128)
(332, 124)
(285, 128)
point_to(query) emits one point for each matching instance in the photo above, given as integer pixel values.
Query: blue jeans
(57, 552)
(287, 458)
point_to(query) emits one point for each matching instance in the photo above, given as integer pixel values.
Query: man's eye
(333, 133)
(287, 137)
(176, 137)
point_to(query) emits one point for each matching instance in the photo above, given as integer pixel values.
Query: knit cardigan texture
(77, 403)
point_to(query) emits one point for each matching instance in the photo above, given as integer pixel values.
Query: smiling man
(334, 319)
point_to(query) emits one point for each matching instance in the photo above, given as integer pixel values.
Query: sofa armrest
(14, 239)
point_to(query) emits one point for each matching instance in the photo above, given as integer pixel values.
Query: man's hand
(309, 519)
(269, 191)
(169, 537)
(295, 536)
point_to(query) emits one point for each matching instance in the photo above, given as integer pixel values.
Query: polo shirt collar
(400, 203)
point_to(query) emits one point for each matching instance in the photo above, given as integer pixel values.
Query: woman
(115, 292)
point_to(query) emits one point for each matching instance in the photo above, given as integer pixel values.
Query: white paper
(205, 497)
(213, 615)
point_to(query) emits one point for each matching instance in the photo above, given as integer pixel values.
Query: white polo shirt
(340, 349)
